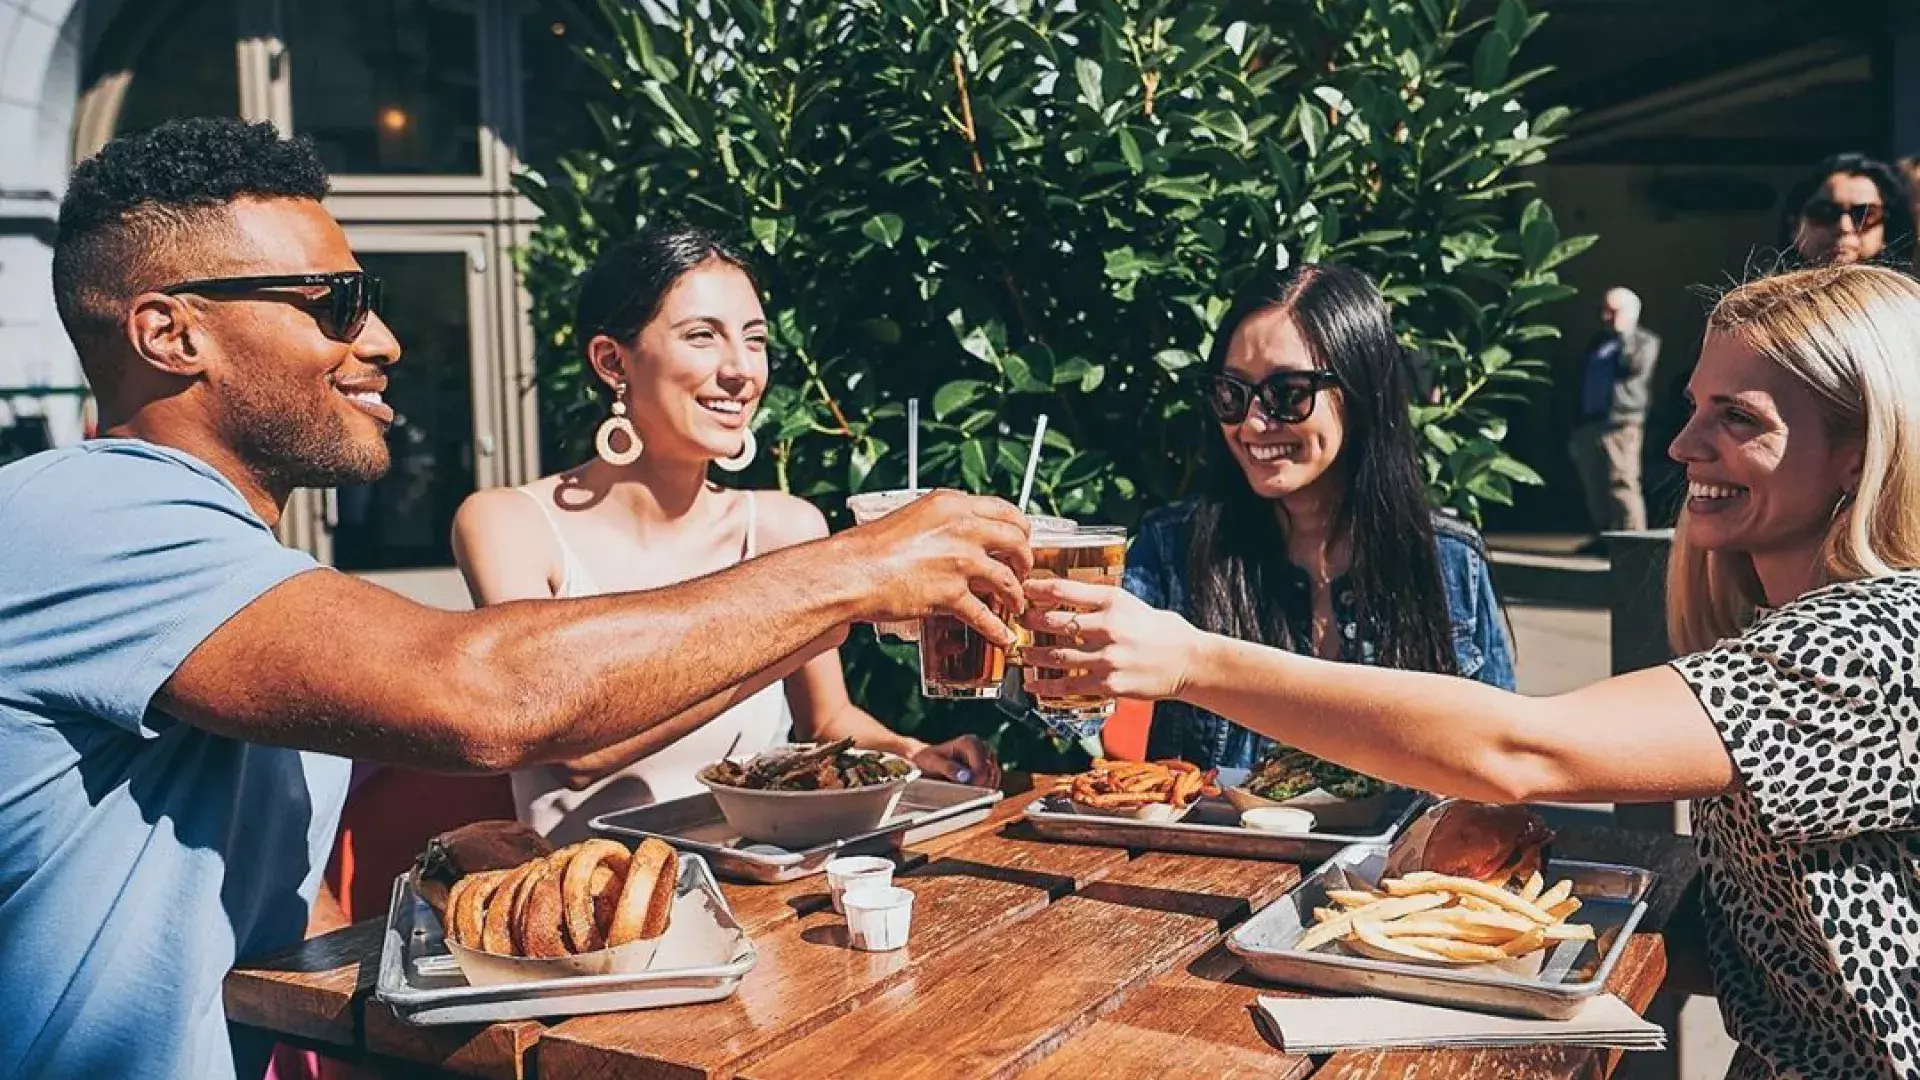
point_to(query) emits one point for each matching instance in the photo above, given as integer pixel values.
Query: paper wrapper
(1159, 813)
(697, 936)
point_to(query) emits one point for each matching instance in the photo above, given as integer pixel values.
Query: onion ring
(584, 931)
(496, 934)
(646, 900)
(538, 929)
(469, 913)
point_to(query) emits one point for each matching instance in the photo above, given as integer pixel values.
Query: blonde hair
(1851, 334)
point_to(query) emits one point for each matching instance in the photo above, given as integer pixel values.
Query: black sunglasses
(1827, 212)
(1286, 397)
(351, 296)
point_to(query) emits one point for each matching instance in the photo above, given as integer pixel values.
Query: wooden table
(1029, 959)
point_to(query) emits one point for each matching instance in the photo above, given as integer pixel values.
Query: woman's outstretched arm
(1636, 738)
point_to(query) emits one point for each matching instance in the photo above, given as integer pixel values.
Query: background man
(1616, 377)
(173, 681)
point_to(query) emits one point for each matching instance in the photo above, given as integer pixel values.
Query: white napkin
(1324, 1025)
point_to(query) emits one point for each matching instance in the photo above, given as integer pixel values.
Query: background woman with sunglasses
(1312, 530)
(1853, 208)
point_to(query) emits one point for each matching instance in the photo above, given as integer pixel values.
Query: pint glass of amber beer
(955, 661)
(1096, 553)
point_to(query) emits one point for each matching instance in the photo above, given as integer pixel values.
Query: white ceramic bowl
(804, 819)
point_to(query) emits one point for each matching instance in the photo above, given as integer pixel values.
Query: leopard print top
(1812, 869)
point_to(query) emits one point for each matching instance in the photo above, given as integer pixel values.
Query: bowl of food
(807, 794)
(1338, 797)
(1159, 791)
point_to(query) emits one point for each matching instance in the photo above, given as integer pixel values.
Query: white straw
(913, 445)
(1033, 462)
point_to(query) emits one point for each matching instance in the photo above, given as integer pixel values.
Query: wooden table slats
(311, 990)
(807, 976)
(1029, 958)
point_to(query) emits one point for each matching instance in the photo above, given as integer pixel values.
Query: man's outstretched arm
(327, 662)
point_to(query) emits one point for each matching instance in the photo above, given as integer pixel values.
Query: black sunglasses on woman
(342, 313)
(1827, 212)
(1286, 397)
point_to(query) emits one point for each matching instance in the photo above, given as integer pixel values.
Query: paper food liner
(1159, 813)
(1526, 967)
(696, 937)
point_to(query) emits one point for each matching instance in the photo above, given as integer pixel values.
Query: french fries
(1130, 785)
(1437, 919)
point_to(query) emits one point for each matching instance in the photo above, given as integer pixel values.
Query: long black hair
(1238, 556)
(1894, 192)
(624, 289)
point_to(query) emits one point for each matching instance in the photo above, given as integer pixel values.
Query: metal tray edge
(1563, 991)
(391, 987)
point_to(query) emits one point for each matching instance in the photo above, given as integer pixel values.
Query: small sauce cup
(1279, 819)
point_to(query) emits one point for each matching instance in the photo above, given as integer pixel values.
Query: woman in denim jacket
(1312, 530)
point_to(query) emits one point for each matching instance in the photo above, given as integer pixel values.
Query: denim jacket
(1157, 573)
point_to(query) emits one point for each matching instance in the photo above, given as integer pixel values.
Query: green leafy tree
(1006, 209)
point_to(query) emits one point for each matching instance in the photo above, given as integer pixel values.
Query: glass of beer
(872, 506)
(955, 661)
(1095, 553)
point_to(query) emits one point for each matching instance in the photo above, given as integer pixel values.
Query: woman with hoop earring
(672, 325)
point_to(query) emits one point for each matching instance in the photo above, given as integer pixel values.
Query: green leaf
(866, 454)
(1313, 125)
(1175, 359)
(884, 229)
(1567, 249)
(676, 107)
(1538, 234)
(1440, 438)
(955, 396)
(1511, 20)
(973, 465)
(767, 232)
(1515, 470)
(1490, 486)
(1130, 150)
(1186, 190)
(1087, 71)
(1490, 60)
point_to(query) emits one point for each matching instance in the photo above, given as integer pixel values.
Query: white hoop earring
(618, 424)
(738, 462)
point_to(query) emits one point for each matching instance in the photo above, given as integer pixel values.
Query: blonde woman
(1793, 718)
(672, 325)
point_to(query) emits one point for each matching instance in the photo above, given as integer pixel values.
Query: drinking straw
(1033, 462)
(913, 445)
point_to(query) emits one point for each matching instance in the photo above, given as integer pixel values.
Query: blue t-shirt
(139, 857)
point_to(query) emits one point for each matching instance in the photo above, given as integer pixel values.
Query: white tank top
(540, 794)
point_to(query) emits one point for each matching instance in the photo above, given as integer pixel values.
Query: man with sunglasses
(1616, 384)
(173, 683)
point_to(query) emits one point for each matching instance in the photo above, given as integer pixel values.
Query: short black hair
(131, 211)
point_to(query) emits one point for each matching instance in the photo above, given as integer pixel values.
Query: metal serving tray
(928, 808)
(423, 984)
(1612, 899)
(1213, 827)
